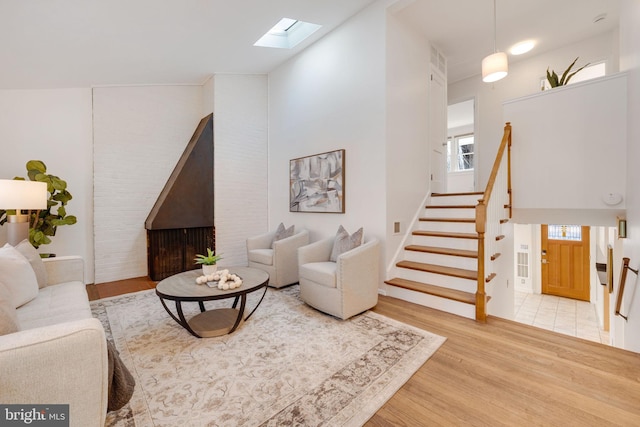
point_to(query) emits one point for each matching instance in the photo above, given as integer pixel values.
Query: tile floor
(562, 315)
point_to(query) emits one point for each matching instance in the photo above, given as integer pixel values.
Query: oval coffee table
(182, 287)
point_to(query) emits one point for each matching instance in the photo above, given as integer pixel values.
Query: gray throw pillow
(345, 242)
(30, 253)
(8, 318)
(282, 233)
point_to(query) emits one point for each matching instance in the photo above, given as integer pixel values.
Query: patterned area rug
(288, 365)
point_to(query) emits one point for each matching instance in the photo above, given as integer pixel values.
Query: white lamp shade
(494, 67)
(15, 194)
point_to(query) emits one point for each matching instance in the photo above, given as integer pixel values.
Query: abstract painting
(317, 183)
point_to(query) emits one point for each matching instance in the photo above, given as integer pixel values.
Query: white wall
(523, 79)
(139, 135)
(407, 146)
(630, 63)
(240, 125)
(53, 126)
(332, 96)
(569, 152)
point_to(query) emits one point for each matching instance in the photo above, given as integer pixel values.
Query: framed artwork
(316, 183)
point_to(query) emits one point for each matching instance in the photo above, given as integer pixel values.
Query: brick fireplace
(181, 223)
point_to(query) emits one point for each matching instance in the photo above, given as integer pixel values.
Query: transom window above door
(565, 232)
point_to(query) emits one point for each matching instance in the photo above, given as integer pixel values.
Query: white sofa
(59, 354)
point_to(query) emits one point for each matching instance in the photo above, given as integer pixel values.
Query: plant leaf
(574, 73)
(564, 75)
(37, 165)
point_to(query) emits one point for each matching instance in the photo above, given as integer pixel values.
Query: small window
(460, 153)
(523, 264)
(564, 232)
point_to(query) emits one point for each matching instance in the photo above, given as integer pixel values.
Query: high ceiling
(80, 43)
(463, 29)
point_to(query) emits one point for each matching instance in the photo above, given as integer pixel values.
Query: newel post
(481, 297)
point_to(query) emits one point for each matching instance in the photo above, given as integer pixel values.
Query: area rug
(288, 365)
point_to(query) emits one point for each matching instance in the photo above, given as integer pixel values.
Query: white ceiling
(81, 43)
(463, 29)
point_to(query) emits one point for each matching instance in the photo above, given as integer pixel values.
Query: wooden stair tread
(442, 251)
(446, 234)
(439, 291)
(450, 206)
(462, 220)
(439, 269)
(473, 193)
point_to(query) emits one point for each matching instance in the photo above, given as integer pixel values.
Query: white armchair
(343, 288)
(281, 261)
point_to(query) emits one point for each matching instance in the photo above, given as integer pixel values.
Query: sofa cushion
(17, 275)
(323, 273)
(345, 242)
(261, 256)
(30, 253)
(8, 319)
(282, 233)
(56, 304)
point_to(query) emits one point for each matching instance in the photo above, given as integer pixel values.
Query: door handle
(544, 261)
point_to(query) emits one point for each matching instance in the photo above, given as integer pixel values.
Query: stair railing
(491, 210)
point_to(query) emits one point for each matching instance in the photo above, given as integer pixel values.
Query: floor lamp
(21, 195)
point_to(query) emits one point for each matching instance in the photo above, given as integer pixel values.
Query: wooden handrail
(623, 279)
(504, 144)
(481, 219)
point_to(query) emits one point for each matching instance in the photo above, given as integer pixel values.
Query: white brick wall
(241, 148)
(139, 135)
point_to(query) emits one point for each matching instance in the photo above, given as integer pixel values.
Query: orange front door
(565, 261)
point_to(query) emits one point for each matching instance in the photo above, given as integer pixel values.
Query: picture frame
(316, 183)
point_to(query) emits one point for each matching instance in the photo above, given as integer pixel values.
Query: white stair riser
(456, 227)
(438, 303)
(442, 280)
(455, 200)
(444, 260)
(445, 242)
(449, 213)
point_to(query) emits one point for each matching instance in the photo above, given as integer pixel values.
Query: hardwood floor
(112, 289)
(498, 373)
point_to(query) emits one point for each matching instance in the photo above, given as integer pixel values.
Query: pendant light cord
(495, 49)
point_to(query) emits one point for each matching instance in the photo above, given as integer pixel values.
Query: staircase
(455, 247)
(441, 263)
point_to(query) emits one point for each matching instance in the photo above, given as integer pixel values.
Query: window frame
(454, 156)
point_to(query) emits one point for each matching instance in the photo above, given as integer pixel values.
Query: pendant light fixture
(494, 66)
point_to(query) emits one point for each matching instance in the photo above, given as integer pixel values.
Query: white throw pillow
(8, 318)
(17, 275)
(30, 253)
(344, 243)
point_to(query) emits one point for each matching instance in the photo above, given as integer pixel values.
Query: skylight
(287, 33)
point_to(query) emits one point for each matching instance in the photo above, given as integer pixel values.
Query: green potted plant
(44, 223)
(208, 262)
(553, 79)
